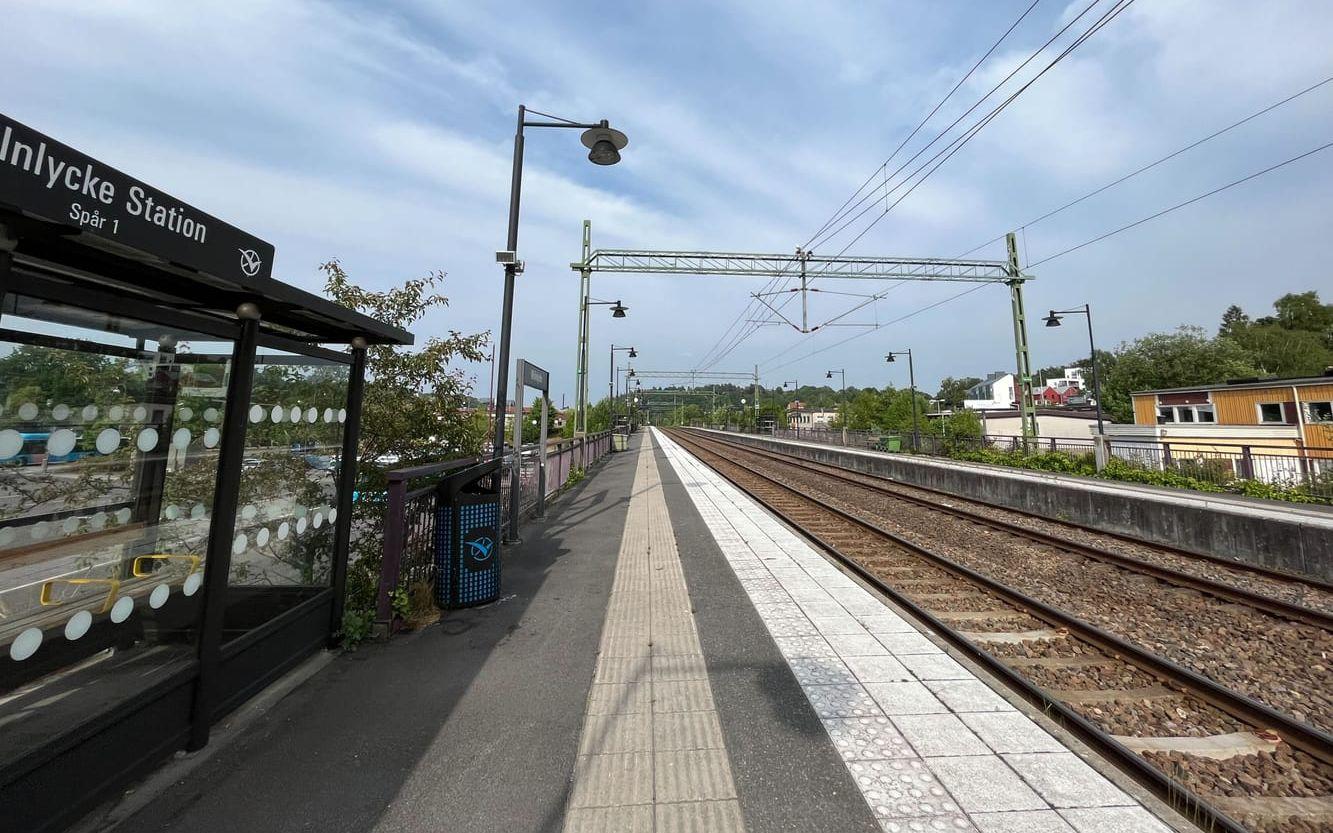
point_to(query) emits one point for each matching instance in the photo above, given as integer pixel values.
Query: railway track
(1224, 758)
(1296, 598)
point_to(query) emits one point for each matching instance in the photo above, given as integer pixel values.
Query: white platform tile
(1011, 732)
(1066, 781)
(867, 738)
(1113, 820)
(969, 696)
(902, 788)
(792, 627)
(983, 783)
(811, 671)
(934, 667)
(841, 701)
(885, 623)
(948, 823)
(804, 646)
(905, 698)
(931, 747)
(1022, 821)
(908, 642)
(856, 645)
(878, 669)
(935, 735)
(840, 624)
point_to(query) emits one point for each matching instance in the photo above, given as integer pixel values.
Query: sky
(380, 134)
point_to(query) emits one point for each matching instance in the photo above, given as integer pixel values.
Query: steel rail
(1162, 785)
(1221, 590)
(1309, 739)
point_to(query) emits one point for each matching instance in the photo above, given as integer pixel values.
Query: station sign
(51, 181)
(533, 376)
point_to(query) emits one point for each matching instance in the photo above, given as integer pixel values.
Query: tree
(1167, 360)
(1234, 321)
(416, 408)
(1303, 311)
(1297, 341)
(954, 391)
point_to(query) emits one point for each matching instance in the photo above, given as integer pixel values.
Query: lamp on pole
(618, 310)
(842, 402)
(604, 145)
(911, 376)
(1053, 320)
(611, 383)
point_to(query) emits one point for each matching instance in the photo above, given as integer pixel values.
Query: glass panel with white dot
(282, 544)
(109, 433)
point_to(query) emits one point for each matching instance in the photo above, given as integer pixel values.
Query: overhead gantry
(807, 267)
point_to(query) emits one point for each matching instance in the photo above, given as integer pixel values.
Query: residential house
(1278, 418)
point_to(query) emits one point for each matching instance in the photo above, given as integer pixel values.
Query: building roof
(1249, 384)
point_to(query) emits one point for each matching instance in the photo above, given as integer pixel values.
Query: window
(1184, 414)
(1166, 415)
(1319, 411)
(1271, 412)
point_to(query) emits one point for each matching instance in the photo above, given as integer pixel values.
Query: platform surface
(929, 744)
(666, 656)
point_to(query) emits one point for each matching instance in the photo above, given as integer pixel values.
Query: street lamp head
(604, 144)
(619, 310)
(890, 358)
(633, 354)
(1052, 320)
(631, 371)
(828, 375)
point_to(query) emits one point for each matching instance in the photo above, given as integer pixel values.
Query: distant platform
(1297, 538)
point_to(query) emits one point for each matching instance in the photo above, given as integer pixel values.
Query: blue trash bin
(467, 537)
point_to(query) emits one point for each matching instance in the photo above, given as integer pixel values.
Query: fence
(409, 521)
(1307, 469)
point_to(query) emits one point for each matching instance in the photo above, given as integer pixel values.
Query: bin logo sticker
(478, 549)
(250, 262)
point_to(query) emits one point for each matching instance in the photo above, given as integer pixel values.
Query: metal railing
(409, 515)
(1307, 471)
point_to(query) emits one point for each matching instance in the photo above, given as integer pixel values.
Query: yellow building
(1263, 419)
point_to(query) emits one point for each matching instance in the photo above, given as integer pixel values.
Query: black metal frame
(115, 745)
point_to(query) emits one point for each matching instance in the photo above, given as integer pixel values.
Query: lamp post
(911, 376)
(796, 389)
(611, 383)
(1053, 320)
(618, 310)
(842, 403)
(604, 145)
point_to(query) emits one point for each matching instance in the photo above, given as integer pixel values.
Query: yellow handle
(113, 590)
(140, 568)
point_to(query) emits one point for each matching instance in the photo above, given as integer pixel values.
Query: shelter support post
(347, 473)
(226, 494)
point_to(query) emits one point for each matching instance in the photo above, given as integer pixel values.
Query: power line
(1154, 164)
(959, 142)
(929, 116)
(897, 320)
(743, 334)
(956, 121)
(1191, 201)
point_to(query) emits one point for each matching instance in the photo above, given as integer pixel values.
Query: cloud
(381, 134)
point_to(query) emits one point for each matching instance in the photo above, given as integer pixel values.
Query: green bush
(1199, 476)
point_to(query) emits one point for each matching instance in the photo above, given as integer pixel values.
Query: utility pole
(1026, 407)
(581, 362)
(756, 398)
